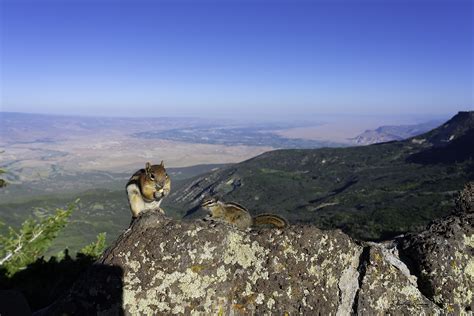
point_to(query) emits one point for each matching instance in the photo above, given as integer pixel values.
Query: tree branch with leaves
(20, 247)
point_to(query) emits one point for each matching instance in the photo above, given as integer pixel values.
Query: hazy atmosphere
(272, 59)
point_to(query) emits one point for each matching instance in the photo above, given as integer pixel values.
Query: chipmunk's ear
(162, 164)
(147, 168)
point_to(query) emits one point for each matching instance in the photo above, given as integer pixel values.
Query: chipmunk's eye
(152, 177)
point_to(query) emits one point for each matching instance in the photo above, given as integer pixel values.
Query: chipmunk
(238, 215)
(147, 188)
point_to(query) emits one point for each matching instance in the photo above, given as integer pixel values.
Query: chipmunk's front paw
(162, 211)
(212, 221)
(207, 218)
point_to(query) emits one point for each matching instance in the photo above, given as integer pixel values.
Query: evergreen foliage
(20, 247)
(22, 264)
(96, 248)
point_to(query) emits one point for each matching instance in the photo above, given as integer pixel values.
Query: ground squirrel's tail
(270, 219)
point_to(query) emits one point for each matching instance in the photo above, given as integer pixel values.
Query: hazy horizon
(399, 118)
(271, 60)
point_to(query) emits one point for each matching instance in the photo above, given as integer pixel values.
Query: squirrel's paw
(212, 221)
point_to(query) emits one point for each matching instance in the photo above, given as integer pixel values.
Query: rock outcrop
(165, 266)
(443, 259)
(465, 200)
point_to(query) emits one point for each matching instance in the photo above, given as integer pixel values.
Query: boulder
(443, 259)
(165, 266)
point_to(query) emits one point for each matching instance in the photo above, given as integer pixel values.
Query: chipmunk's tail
(270, 219)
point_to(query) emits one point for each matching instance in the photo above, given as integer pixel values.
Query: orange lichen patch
(239, 307)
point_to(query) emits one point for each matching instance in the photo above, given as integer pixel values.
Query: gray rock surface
(443, 258)
(165, 266)
(389, 288)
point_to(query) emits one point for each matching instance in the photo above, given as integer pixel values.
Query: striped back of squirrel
(270, 219)
(238, 215)
(237, 205)
(213, 201)
(227, 211)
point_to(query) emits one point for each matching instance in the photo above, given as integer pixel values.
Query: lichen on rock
(443, 257)
(164, 266)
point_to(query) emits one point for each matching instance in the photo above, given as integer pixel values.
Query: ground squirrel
(238, 215)
(147, 188)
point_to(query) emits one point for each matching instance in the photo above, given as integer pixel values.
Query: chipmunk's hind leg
(241, 220)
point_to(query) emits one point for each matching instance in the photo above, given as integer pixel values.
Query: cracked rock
(443, 259)
(161, 266)
(387, 289)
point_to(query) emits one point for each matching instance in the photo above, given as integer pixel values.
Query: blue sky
(237, 58)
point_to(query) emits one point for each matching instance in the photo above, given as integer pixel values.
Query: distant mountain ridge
(458, 126)
(388, 133)
(371, 192)
(451, 142)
